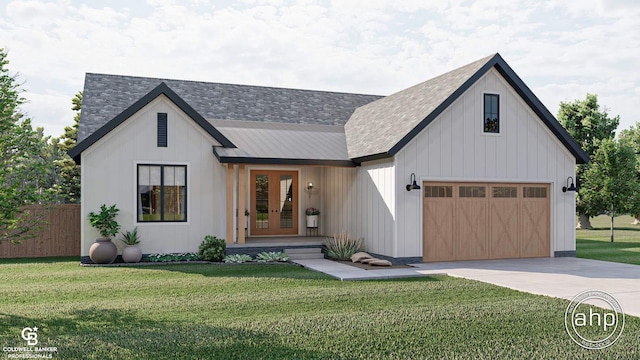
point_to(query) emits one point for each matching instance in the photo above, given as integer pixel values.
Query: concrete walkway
(556, 277)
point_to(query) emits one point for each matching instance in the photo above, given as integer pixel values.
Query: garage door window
(505, 192)
(534, 192)
(438, 191)
(472, 191)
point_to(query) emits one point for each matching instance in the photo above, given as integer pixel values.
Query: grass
(596, 244)
(197, 311)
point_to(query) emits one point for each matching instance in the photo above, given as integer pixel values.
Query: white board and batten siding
(361, 201)
(454, 148)
(109, 177)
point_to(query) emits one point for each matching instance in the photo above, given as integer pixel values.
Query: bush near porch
(278, 312)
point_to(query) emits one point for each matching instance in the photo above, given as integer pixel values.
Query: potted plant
(131, 253)
(312, 217)
(103, 251)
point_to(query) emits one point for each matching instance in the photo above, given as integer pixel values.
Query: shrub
(212, 249)
(272, 257)
(171, 257)
(341, 246)
(237, 258)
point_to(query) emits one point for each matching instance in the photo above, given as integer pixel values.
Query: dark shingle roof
(378, 126)
(374, 126)
(383, 127)
(106, 96)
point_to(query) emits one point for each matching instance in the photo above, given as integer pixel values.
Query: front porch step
(304, 253)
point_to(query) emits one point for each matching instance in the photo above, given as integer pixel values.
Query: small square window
(491, 113)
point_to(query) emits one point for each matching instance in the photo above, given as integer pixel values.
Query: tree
(68, 186)
(611, 181)
(631, 136)
(22, 166)
(589, 126)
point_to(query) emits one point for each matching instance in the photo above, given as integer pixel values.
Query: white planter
(131, 254)
(312, 221)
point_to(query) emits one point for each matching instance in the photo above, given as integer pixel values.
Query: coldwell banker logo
(30, 351)
(30, 336)
(596, 324)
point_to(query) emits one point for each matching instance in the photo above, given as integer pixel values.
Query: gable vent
(162, 130)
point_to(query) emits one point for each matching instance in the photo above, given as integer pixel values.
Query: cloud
(561, 49)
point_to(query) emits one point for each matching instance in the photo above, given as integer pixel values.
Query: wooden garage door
(471, 221)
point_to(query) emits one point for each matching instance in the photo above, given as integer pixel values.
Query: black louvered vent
(162, 130)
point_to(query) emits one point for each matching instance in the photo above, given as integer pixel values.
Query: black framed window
(162, 130)
(492, 113)
(162, 193)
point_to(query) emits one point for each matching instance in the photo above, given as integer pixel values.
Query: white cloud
(561, 49)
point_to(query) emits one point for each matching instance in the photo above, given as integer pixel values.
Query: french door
(274, 202)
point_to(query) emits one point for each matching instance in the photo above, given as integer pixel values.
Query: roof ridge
(229, 84)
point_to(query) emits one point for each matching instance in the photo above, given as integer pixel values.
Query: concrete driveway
(557, 277)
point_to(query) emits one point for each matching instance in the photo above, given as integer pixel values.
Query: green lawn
(596, 243)
(197, 311)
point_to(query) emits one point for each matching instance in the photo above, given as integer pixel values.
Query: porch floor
(283, 241)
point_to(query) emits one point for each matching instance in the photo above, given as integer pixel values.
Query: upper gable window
(491, 113)
(162, 130)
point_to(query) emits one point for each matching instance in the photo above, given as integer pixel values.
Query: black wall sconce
(412, 183)
(571, 187)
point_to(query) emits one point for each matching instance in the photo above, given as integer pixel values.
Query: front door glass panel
(286, 202)
(262, 202)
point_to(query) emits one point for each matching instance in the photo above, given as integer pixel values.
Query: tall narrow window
(492, 113)
(162, 193)
(162, 130)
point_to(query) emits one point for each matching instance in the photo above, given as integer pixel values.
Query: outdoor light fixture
(571, 187)
(310, 189)
(412, 183)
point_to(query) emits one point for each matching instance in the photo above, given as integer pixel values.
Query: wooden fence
(60, 237)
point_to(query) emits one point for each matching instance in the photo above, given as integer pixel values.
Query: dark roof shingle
(106, 96)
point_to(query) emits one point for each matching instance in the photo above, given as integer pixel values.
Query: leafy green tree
(589, 126)
(68, 186)
(23, 167)
(611, 182)
(631, 136)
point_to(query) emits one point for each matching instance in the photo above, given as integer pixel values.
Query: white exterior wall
(361, 201)
(109, 177)
(454, 148)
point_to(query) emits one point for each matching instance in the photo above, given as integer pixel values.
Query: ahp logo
(30, 335)
(597, 324)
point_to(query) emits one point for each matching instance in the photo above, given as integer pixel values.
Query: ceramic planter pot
(312, 221)
(103, 251)
(131, 254)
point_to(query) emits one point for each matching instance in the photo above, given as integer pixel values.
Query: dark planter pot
(103, 251)
(131, 254)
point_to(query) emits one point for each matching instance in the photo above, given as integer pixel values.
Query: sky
(561, 49)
